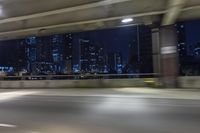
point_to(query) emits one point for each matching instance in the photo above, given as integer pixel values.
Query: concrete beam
(191, 8)
(64, 10)
(173, 11)
(7, 33)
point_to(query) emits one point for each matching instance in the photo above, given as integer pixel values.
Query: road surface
(35, 111)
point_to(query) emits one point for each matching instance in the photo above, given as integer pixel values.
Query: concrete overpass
(22, 18)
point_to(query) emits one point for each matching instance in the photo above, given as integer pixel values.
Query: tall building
(38, 53)
(20, 56)
(102, 65)
(182, 48)
(85, 49)
(31, 52)
(49, 54)
(181, 41)
(44, 50)
(197, 50)
(62, 53)
(145, 49)
(68, 52)
(134, 55)
(115, 63)
(43, 65)
(92, 60)
(92, 57)
(57, 53)
(140, 60)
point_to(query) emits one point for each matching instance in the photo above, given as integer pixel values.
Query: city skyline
(60, 53)
(119, 50)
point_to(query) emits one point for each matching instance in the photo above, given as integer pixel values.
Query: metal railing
(80, 76)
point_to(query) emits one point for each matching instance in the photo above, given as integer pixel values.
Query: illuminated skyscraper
(92, 57)
(68, 51)
(62, 53)
(38, 53)
(145, 49)
(57, 54)
(181, 42)
(115, 63)
(84, 55)
(31, 52)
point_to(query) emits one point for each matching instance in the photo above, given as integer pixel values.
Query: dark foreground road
(37, 113)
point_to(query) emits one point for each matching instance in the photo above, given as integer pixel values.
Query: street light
(127, 20)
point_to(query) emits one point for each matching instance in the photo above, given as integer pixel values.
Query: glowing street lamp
(127, 20)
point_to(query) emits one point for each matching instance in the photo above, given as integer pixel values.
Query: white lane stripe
(7, 125)
(124, 96)
(15, 94)
(121, 96)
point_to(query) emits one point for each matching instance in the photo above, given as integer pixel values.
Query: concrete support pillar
(169, 56)
(156, 51)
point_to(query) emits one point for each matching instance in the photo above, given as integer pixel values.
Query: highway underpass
(22, 18)
(122, 110)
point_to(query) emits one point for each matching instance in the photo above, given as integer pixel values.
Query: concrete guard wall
(190, 82)
(72, 83)
(184, 82)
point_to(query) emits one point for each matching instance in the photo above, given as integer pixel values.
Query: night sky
(192, 32)
(8, 52)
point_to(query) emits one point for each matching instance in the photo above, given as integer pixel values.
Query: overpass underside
(23, 18)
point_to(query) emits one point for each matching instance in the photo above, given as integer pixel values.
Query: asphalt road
(37, 113)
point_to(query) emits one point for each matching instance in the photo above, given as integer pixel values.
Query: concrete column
(156, 51)
(169, 56)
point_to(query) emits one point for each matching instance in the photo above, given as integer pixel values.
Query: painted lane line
(15, 94)
(7, 125)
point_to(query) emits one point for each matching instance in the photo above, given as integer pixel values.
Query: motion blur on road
(112, 50)
(125, 110)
